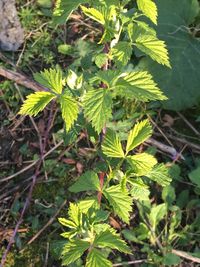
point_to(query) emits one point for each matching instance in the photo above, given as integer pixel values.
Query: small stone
(11, 32)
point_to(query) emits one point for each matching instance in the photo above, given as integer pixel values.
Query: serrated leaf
(160, 174)
(142, 163)
(140, 133)
(35, 103)
(73, 250)
(63, 9)
(51, 78)
(108, 77)
(157, 214)
(184, 49)
(69, 110)
(149, 8)
(94, 14)
(86, 182)
(95, 258)
(98, 107)
(101, 60)
(67, 223)
(111, 145)
(75, 214)
(139, 190)
(120, 201)
(139, 85)
(111, 240)
(121, 52)
(154, 48)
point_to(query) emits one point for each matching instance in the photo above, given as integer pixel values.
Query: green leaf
(94, 14)
(181, 83)
(153, 47)
(73, 250)
(139, 85)
(111, 240)
(148, 7)
(86, 182)
(95, 258)
(157, 214)
(121, 52)
(63, 9)
(171, 259)
(35, 103)
(98, 107)
(69, 110)
(88, 203)
(71, 79)
(195, 176)
(120, 201)
(142, 163)
(139, 190)
(112, 146)
(140, 133)
(75, 214)
(168, 195)
(101, 60)
(160, 174)
(51, 78)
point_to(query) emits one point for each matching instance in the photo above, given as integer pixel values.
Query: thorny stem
(28, 199)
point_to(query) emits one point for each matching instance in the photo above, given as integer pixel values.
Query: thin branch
(189, 124)
(185, 255)
(129, 263)
(21, 79)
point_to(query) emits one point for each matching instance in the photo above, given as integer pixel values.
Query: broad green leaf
(139, 190)
(181, 83)
(111, 240)
(88, 203)
(121, 52)
(157, 214)
(148, 7)
(169, 195)
(120, 201)
(69, 110)
(171, 259)
(160, 174)
(108, 77)
(195, 176)
(101, 60)
(35, 103)
(75, 214)
(94, 14)
(86, 182)
(97, 105)
(140, 133)
(73, 250)
(111, 145)
(141, 164)
(153, 47)
(95, 258)
(139, 85)
(63, 9)
(51, 78)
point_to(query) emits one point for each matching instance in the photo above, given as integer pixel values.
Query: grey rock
(11, 32)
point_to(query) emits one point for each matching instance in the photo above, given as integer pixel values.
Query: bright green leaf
(101, 60)
(111, 145)
(35, 103)
(111, 240)
(160, 174)
(140, 133)
(139, 190)
(148, 7)
(120, 201)
(51, 78)
(73, 250)
(69, 110)
(98, 107)
(139, 85)
(121, 52)
(94, 14)
(141, 164)
(95, 258)
(86, 182)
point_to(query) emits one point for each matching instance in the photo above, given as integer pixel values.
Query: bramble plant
(121, 176)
